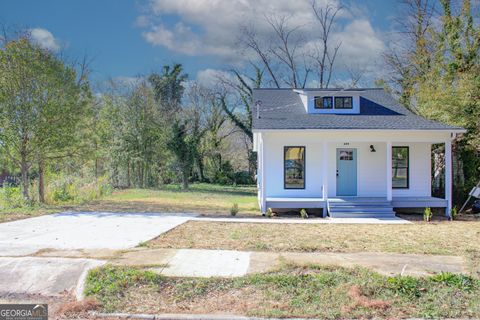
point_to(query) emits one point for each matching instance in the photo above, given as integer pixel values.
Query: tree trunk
(128, 174)
(201, 169)
(185, 173)
(25, 183)
(41, 181)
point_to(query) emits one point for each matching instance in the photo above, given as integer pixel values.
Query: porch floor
(319, 202)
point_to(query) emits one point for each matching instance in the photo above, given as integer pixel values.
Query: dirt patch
(360, 300)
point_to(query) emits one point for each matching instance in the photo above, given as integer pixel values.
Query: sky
(129, 38)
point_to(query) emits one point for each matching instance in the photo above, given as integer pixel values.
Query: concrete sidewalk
(54, 272)
(228, 263)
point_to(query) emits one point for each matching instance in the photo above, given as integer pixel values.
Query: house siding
(371, 166)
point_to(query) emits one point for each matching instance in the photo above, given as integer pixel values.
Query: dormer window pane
(323, 102)
(343, 103)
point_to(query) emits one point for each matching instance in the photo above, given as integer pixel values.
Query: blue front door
(346, 172)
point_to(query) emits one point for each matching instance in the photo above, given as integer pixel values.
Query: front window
(400, 167)
(343, 103)
(294, 167)
(323, 103)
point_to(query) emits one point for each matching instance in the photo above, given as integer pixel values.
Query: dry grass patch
(442, 238)
(7, 215)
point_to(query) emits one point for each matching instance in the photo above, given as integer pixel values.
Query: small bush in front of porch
(303, 214)
(269, 213)
(234, 209)
(453, 213)
(427, 215)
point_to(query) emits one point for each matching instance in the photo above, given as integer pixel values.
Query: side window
(294, 167)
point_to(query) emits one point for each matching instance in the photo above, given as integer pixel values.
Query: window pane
(400, 167)
(323, 102)
(346, 155)
(294, 167)
(327, 102)
(343, 103)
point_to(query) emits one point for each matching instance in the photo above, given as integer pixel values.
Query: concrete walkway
(392, 220)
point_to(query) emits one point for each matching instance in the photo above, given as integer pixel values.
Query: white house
(351, 152)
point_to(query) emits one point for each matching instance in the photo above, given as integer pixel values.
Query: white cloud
(212, 27)
(44, 39)
(210, 77)
(128, 81)
(360, 43)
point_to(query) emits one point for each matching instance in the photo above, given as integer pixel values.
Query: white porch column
(325, 176)
(389, 171)
(448, 176)
(263, 206)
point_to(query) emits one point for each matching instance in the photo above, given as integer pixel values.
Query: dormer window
(343, 103)
(333, 101)
(323, 102)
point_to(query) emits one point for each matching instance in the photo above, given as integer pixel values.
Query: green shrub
(459, 281)
(234, 209)
(270, 213)
(243, 178)
(303, 214)
(73, 189)
(405, 285)
(11, 198)
(454, 213)
(427, 215)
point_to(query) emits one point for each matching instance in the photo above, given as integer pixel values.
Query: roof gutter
(453, 131)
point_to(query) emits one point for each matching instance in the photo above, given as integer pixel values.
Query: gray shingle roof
(283, 109)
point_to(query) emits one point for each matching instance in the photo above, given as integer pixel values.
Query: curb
(176, 316)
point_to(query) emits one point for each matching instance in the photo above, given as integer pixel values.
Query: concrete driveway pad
(45, 276)
(84, 230)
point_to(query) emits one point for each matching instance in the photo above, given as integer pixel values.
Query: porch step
(357, 208)
(376, 215)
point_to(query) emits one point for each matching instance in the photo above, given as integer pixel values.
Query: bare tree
(250, 39)
(355, 74)
(286, 50)
(324, 56)
(280, 52)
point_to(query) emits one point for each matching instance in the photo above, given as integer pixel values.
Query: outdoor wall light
(372, 148)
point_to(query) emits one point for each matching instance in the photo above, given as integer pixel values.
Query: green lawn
(200, 198)
(292, 291)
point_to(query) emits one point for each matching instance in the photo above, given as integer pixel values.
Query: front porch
(374, 173)
(358, 206)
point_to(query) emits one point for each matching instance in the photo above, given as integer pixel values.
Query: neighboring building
(7, 179)
(351, 152)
